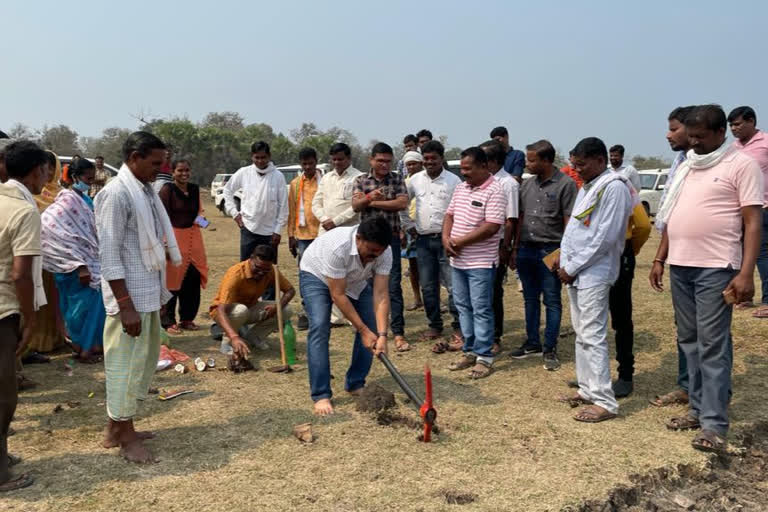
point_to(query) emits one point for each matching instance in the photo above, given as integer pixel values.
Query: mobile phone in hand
(202, 222)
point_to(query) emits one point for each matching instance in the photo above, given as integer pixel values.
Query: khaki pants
(241, 315)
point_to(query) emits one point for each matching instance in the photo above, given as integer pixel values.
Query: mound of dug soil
(375, 398)
(729, 483)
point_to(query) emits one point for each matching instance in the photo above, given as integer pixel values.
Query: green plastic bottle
(289, 336)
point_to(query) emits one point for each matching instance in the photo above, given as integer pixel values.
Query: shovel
(285, 367)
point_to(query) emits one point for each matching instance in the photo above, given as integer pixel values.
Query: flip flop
(761, 312)
(593, 414)
(679, 423)
(401, 345)
(573, 400)
(481, 370)
(19, 482)
(715, 442)
(675, 397)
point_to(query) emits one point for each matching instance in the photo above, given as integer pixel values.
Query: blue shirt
(515, 162)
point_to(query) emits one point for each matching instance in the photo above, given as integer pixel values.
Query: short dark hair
(141, 142)
(745, 112)
(494, 150)
(265, 253)
(499, 131)
(340, 147)
(680, 113)
(712, 117)
(260, 146)
(433, 146)
(476, 154)
(543, 149)
(424, 133)
(22, 157)
(410, 138)
(617, 148)
(180, 161)
(591, 147)
(78, 168)
(381, 148)
(3, 135)
(99, 158)
(376, 229)
(307, 153)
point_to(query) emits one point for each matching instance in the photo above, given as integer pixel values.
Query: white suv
(652, 183)
(218, 183)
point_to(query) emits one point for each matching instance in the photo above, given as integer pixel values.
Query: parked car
(65, 160)
(652, 184)
(218, 182)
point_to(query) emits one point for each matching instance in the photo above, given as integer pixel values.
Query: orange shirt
(312, 224)
(239, 287)
(571, 172)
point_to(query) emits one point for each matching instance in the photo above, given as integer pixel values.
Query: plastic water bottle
(289, 336)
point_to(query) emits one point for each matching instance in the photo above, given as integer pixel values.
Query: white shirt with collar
(512, 191)
(629, 172)
(334, 255)
(432, 197)
(333, 199)
(264, 203)
(592, 252)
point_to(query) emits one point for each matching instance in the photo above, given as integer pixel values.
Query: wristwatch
(382, 335)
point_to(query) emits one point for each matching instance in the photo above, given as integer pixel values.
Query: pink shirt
(471, 207)
(704, 228)
(757, 148)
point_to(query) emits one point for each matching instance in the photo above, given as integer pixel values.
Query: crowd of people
(103, 264)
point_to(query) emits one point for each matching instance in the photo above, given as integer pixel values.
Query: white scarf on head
(693, 162)
(152, 249)
(37, 261)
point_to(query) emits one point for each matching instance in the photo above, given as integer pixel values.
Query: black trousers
(620, 301)
(188, 298)
(248, 243)
(498, 302)
(9, 337)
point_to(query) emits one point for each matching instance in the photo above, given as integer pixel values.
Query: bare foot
(110, 440)
(323, 407)
(135, 451)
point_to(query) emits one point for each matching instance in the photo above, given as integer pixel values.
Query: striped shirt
(334, 255)
(120, 252)
(471, 207)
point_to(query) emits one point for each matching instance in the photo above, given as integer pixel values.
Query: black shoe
(622, 388)
(551, 362)
(524, 351)
(302, 323)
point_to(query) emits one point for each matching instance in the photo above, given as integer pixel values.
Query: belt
(431, 235)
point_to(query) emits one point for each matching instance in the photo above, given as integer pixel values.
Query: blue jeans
(397, 321)
(762, 258)
(473, 296)
(318, 304)
(704, 334)
(434, 269)
(538, 280)
(301, 246)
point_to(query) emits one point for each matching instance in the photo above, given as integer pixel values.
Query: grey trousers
(704, 334)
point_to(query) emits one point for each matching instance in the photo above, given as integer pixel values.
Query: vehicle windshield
(221, 178)
(648, 181)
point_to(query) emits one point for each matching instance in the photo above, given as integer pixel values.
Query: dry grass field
(228, 446)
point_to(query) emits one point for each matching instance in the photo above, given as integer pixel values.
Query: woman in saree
(182, 202)
(70, 251)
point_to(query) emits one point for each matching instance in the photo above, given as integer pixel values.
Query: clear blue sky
(560, 70)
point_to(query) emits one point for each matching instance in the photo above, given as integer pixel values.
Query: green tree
(61, 139)
(649, 162)
(21, 131)
(109, 145)
(231, 121)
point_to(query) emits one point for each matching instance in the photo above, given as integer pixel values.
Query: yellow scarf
(51, 189)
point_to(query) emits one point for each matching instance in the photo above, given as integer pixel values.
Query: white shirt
(334, 255)
(264, 202)
(432, 197)
(592, 253)
(629, 172)
(512, 191)
(333, 199)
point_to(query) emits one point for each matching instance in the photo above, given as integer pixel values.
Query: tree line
(220, 143)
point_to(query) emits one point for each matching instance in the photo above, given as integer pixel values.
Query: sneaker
(622, 388)
(551, 362)
(524, 351)
(302, 323)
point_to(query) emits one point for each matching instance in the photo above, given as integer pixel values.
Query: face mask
(81, 186)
